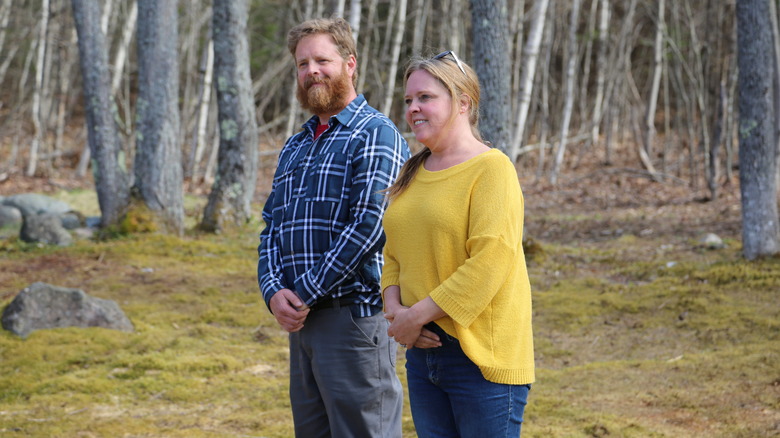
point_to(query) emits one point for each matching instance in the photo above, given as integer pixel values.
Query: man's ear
(351, 65)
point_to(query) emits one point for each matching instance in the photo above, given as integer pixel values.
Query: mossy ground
(640, 331)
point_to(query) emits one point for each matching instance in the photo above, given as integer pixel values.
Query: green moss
(634, 337)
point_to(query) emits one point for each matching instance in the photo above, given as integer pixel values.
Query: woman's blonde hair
(459, 80)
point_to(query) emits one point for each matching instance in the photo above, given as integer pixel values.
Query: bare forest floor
(640, 330)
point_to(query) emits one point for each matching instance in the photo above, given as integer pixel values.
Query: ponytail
(408, 171)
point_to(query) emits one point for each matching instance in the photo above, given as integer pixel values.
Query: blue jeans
(450, 398)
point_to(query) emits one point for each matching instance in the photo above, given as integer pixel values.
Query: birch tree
(394, 57)
(158, 172)
(571, 50)
(37, 113)
(489, 29)
(757, 134)
(531, 55)
(601, 69)
(111, 180)
(231, 194)
(655, 85)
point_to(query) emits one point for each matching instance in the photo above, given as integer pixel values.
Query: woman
(455, 284)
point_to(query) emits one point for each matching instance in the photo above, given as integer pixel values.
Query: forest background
(622, 118)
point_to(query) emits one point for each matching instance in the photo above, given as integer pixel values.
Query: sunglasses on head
(454, 56)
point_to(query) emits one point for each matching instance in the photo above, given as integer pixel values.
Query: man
(320, 252)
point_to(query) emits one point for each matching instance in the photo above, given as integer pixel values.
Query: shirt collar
(346, 117)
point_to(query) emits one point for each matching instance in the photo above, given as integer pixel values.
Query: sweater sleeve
(494, 236)
(390, 270)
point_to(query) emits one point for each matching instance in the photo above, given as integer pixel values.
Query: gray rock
(92, 221)
(44, 306)
(36, 203)
(45, 228)
(10, 216)
(72, 220)
(712, 241)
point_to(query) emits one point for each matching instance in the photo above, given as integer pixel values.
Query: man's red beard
(326, 99)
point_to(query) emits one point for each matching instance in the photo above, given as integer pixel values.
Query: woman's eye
(408, 102)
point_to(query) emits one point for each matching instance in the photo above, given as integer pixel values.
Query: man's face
(324, 77)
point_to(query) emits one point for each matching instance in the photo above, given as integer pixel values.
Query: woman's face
(428, 108)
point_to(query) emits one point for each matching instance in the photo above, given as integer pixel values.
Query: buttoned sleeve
(269, 260)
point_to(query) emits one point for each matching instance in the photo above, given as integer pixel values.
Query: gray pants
(342, 377)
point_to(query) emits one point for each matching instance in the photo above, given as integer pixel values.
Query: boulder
(45, 228)
(72, 220)
(44, 306)
(712, 241)
(10, 216)
(37, 204)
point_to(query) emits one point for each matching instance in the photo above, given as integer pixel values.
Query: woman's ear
(465, 103)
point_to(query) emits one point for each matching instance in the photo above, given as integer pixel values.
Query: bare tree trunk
(655, 86)
(231, 195)
(601, 70)
(491, 55)
(714, 174)
(369, 40)
(121, 53)
(590, 34)
(111, 180)
(108, 8)
(37, 113)
(454, 14)
(545, 86)
(757, 139)
(396, 51)
(421, 8)
(64, 81)
(776, 45)
(158, 172)
(517, 28)
(5, 14)
(531, 55)
(207, 68)
(571, 50)
(699, 80)
(355, 7)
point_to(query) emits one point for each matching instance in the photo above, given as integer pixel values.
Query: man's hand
(289, 310)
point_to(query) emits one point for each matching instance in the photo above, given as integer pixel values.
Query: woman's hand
(427, 339)
(405, 326)
(423, 338)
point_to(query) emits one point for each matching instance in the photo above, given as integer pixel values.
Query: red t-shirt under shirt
(320, 129)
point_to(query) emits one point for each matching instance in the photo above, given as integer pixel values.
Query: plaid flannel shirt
(323, 237)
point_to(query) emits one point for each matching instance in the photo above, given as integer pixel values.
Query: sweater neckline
(429, 175)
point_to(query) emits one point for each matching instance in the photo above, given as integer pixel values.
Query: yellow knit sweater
(456, 235)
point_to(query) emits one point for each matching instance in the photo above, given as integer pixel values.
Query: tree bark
(111, 179)
(396, 51)
(655, 86)
(531, 55)
(601, 69)
(37, 112)
(757, 142)
(569, 89)
(158, 172)
(231, 195)
(491, 55)
(203, 111)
